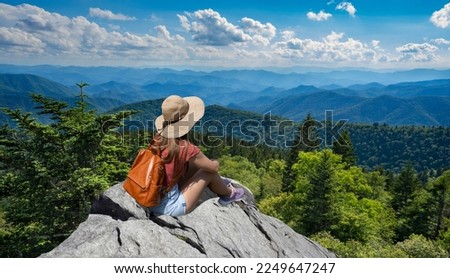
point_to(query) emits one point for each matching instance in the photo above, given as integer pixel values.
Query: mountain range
(358, 96)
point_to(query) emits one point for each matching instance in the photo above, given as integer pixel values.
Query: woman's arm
(201, 161)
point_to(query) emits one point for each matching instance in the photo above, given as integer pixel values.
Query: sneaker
(236, 195)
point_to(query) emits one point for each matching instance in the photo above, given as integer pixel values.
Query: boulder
(118, 227)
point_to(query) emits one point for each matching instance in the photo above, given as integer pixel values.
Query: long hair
(171, 144)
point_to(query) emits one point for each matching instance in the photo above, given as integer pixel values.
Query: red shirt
(187, 151)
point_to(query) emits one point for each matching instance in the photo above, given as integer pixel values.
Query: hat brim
(184, 125)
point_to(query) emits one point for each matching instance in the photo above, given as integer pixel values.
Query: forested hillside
(391, 147)
(376, 145)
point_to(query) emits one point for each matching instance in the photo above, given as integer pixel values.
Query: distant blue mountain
(246, 79)
(431, 110)
(423, 102)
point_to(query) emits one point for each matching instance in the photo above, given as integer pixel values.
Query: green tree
(418, 246)
(305, 139)
(271, 180)
(404, 186)
(344, 147)
(53, 172)
(335, 198)
(317, 206)
(406, 201)
(440, 189)
(242, 170)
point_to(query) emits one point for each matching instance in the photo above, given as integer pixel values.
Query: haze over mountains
(416, 97)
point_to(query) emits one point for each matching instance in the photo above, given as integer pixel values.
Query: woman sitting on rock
(186, 166)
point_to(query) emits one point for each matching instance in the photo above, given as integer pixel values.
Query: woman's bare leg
(193, 188)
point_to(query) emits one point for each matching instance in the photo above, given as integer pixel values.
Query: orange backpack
(146, 180)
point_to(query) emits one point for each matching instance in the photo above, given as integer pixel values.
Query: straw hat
(179, 115)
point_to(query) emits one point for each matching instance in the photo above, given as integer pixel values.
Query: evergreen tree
(305, 139)
(344, 147)
(317, 205)
(406, 201)
(53, 172)
(440, 188)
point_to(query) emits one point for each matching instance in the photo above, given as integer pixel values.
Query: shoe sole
(224, 203)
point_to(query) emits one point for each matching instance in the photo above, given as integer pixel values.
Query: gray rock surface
(118, 227)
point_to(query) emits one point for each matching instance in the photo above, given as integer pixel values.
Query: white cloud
(36, 30)
(20, 40)
(106, 14)
(441, 18)
(415, 52)
(261, 33)
(320, 16)
(208, 27)
(375, 43)
(29, 33)
(348, 7)
(332, 48)
(287, 35)
(442, 41)
(165, 34)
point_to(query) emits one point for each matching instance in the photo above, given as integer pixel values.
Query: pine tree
(52, 172)
(408, 200)
(441, 195)
(317, 204)
(344, 147)
(404, 186)
(305, 139)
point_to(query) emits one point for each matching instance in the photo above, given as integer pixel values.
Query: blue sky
(389, 34)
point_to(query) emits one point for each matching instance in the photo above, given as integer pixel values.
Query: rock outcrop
(118, 227)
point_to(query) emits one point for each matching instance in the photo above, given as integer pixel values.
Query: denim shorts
(172, 204)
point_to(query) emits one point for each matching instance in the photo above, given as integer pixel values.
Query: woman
(187, 168)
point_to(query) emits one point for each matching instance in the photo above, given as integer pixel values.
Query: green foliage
(344, 147)
(241, 169)
(53, 172)
(305, 140)
(336, 198)
(392, 146)
(287, 207)
(356, 249)
(440, 190)
(418, 246)
(271, 180)
(444, 238)
(263, 181)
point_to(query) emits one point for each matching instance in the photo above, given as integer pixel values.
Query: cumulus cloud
(348, 7)
(320, 16)
(208, 27)
(106, 14)
(332, 48)
(30, 29)
(165, 34)
(441, 18)
(415, 52)
(261, 33)
(442, 41)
